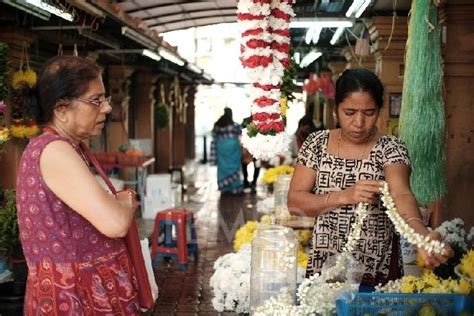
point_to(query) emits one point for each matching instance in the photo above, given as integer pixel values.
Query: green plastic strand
(422, 121)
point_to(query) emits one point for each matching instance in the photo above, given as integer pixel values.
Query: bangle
(415, 219)
(327, 198)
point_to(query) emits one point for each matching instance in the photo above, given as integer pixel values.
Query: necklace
(363, 150)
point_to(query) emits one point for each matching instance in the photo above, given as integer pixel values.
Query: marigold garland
(24, 128)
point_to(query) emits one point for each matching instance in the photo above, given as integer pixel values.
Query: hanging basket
(161, 115)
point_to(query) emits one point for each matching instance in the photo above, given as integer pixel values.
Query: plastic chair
(183, 221)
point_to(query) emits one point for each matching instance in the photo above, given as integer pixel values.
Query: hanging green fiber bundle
(422, 122)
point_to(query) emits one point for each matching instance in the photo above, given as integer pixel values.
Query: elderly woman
(337, 169)
(70, 227)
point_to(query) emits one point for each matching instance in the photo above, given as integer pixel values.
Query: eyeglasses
(95, 102)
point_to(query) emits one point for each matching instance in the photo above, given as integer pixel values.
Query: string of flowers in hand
(431, 246)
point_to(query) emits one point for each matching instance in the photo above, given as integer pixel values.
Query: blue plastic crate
(375, 304)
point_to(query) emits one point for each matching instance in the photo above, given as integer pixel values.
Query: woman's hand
(128, 199)
(363, 191)
(433, 260)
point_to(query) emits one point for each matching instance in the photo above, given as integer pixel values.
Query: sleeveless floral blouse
(378, 248)
(73, 268)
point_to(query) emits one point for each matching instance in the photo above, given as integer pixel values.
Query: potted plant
(10, 239)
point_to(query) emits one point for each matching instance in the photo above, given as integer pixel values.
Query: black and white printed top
(378, 240)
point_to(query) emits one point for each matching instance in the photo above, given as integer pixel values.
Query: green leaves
(161, 115)
(9, 233)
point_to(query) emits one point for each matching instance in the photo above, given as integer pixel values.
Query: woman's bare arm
(398, 179)
(69, 178)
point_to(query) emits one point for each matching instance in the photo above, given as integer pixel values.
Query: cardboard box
(154, 205)
(158, 185)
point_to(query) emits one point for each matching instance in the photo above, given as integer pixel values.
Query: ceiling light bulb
(362, 8)
(356, 4)
(316, 35)
(336, 35)
(309, 35)
(320, 22)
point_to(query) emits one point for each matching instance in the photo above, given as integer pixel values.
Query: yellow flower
(271, 174)
(304, 236)
(429, 278)
(302, 257)
(466, 266)
(266, 219)
(464, 287)
(245, 234)
(407, 286)
(20, 78)
(24, 131)
(4, 135)
(283, 105)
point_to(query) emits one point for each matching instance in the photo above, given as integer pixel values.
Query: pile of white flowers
(453, 233)
(231, 281)
(266, 206)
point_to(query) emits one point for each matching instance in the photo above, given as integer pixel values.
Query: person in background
(247, 158)
(226, 153)
(337, 169)
(305, 128)
(71, 229)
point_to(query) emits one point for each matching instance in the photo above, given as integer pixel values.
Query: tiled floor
(217, 218)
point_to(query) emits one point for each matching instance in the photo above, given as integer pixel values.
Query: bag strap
(97, 166)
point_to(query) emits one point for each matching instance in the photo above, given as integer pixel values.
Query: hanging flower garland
(4, 91)
(265, 55)
(22, 125)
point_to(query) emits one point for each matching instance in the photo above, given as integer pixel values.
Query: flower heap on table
(265, 55)
(318, 293)
(231, 279)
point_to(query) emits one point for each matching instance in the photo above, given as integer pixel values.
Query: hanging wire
(394, 17)
(359, 60)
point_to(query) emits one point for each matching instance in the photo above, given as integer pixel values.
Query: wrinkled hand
(432, 260)
(127, 198)
(363, 191)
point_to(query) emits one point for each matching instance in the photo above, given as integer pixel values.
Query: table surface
(299, 222)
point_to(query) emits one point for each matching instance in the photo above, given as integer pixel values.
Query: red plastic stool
(181, 220)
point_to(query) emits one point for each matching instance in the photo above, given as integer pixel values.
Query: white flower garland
(404, 229)
(264, 23)
(266, 146)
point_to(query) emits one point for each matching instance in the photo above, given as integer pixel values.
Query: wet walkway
(217, 218)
